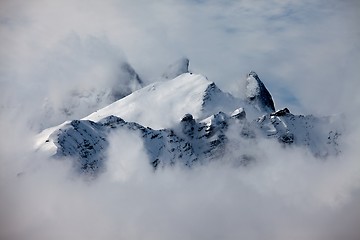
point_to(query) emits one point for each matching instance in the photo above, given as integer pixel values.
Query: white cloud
(126, 156)
(285, 194)
(296, 46)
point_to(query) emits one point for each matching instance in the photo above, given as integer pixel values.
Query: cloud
(127, 157)
(297, 47)
(71, 80)
(285, 194)
(307, 51)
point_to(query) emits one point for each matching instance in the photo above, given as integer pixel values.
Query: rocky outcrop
(257, 94)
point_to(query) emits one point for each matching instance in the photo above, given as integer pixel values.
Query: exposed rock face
(193, 142)
(87, 141)
(177, 68)
(257, 94)
(318, 134)
(239, 114)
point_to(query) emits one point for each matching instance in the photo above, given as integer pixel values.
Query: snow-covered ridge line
(192, 142)
(87, 141)
(162, 104)
(188, 120)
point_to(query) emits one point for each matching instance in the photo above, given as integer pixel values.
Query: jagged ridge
(196, 137)
(193, 142)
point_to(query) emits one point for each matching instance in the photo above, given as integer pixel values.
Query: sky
(306, 52)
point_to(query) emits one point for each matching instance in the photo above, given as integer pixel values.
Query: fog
(307, 54)
(285, 193)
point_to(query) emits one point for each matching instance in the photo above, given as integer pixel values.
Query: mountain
(129, 81)
(257, 93)
(188, 120)
(84, 99)
(177, 68)
(162, 104)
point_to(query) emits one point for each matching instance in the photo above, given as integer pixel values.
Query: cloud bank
(285, 193)
(306, 52)
(300, 48)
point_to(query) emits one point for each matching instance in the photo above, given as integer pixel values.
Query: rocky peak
(281, 112)
(188, 125)
(211, 91)
(126, 67)
(239, 114)
(130, 82)
(177, 68)
(257, 94)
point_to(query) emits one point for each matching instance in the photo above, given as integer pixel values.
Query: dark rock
(257, 93)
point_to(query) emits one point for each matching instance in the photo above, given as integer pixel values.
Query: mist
(284, 193)
(306, 52)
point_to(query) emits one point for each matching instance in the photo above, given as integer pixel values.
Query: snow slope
(163, 104)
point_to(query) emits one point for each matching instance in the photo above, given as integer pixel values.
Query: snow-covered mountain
(188, 120)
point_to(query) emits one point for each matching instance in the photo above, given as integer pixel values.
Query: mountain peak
(177, 68)
(127, 68)
(130, 82)
(257, 94)
(253, 73)
(239, 113)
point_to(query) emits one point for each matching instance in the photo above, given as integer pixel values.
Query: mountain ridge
(186, 121)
